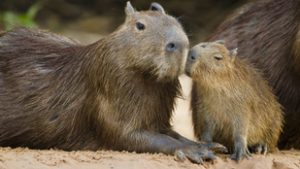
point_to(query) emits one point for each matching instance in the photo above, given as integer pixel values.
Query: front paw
(259, 149)
(240, 153)
(195, 154)
(216, 147)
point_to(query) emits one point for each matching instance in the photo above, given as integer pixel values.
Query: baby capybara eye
(218, 57)
(140, 26)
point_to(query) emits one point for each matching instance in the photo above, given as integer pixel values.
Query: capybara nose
(175, 46)
(172, 47)
(192, 55)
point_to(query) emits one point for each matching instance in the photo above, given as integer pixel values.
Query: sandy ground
(22, 158)
(50, 159)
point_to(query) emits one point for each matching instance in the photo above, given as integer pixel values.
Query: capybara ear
(233, 53)
(129, 10)
(222, 42)
(157, 7)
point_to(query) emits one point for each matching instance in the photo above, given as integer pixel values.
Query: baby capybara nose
(192, 55)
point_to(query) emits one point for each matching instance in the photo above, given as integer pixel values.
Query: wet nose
(172, 47)
(192, 55)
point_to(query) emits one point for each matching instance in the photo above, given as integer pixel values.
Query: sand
(23, 158)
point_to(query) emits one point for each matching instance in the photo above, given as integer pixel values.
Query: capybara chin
(267, 33)
(231, 103)
(117, 93)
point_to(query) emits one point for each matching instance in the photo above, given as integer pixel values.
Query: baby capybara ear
(233, 53)
(157, 7)
(221, 42)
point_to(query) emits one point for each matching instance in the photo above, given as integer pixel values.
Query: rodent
(117, 93)
(267, 34)
(231, 102)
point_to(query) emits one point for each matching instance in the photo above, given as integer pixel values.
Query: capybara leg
(209, 145)
(207, 132)
(259, 149)
(240, 149)
(264, 149)
(179, 137)
(217, 147)
(206, 137)
(195, 154)
(163, 143)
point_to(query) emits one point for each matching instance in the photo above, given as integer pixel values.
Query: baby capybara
(267, 33)
(232, 104)
(117, 93)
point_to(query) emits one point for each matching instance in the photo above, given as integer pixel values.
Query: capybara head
(151, 42)
(209, 58)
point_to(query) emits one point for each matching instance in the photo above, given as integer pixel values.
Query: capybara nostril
(192, 55)
(172, 47)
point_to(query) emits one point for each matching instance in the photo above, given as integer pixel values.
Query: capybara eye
(203, 46)
(140, 26)
(218, 57)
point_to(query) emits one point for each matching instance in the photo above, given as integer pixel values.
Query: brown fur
(118, 93)
(267, 34)
(230, 99)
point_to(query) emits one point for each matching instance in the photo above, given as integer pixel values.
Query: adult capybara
(232, 104)
(267, 34)
(117, 93)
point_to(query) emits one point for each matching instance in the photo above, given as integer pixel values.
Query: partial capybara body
(231, 103)
(117, 93)
(267, 34)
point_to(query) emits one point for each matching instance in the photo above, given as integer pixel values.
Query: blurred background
(89, 20)
(86, 20)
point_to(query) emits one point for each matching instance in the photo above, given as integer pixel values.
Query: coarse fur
(117, 93)
(231, 102)
(267, 33)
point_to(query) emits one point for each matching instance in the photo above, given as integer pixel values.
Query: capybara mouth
(188, 68)
(188, 72)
